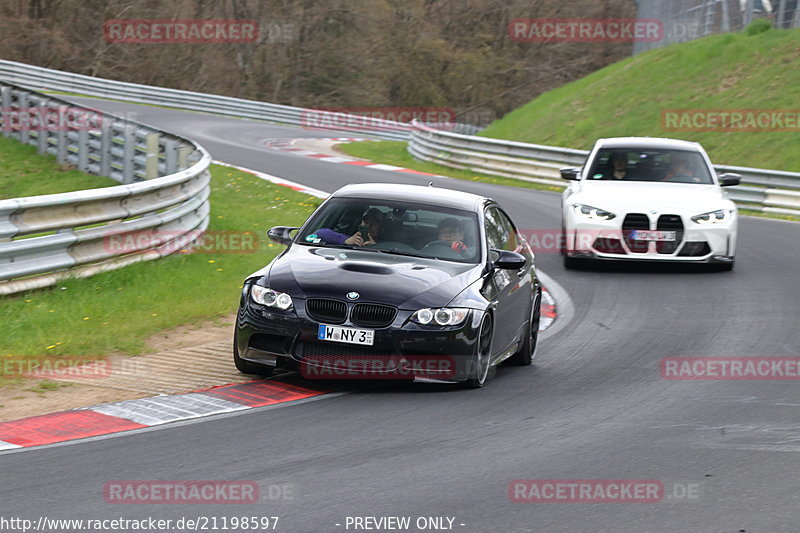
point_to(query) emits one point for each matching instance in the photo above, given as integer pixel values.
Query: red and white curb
(278, 181)
(288, 145)
(146, 412)
(548, 310)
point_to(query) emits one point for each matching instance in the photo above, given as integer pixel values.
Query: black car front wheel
(246, 367)
(524, 356)
(483, 355)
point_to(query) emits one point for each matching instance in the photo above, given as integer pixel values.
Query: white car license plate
(648, 235)
(342, 334)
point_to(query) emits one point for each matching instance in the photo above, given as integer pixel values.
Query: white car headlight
(713, 217)
(592, 213)
(266, 296)
(443, 316)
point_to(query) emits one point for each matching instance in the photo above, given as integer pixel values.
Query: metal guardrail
(163, 196)
(48, 79)
(765, 190)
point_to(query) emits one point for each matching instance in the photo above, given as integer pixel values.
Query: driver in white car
(618, 166)
(680, 167)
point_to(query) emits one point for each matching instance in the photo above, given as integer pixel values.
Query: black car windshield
(395, 227)
(659, 165)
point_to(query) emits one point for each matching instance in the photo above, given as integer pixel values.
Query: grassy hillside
(729, 71)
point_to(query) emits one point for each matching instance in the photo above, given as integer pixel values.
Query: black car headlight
(266, 296)
(442, 316)
(714, 217)
(593, 213)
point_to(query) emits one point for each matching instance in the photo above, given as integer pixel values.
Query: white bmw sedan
(648, 199)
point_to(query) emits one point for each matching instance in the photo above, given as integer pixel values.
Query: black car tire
(524, 356)
(479, 371)
(246, 367)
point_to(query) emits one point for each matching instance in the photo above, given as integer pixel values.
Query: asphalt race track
(593, 406)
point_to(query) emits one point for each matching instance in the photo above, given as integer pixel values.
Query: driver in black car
(452, 231)
(368, 233)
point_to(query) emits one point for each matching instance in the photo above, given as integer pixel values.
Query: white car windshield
(659, 165)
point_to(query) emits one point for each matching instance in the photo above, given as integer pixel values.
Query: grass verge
(24, 172)
(115, 312)
(395, 153)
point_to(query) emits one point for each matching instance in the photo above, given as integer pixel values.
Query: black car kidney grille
(632, 222)
(670, 223)
(373, 315)
(328, 311)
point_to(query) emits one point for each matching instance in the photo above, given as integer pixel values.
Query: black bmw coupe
(393, 281)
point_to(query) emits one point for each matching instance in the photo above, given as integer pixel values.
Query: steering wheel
(440, 248)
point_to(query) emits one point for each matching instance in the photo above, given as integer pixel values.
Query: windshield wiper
(331, 245)
(395, 251)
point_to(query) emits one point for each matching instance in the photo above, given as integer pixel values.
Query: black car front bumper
(402, 350)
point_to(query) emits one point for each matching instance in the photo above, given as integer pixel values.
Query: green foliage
(758, 26)
(630, 97)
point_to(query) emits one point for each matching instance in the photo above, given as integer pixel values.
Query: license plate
(648, 235)
(342, 334)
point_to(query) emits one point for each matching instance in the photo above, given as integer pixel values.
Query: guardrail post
(44, 127)
(61, 139)
(22, 105)
(5, 97)
(183, 157)
(151, 156)
(105, 147)
(128, 150)
(83, 150)
(170, 156)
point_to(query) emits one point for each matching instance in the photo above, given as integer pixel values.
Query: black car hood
(406, 282)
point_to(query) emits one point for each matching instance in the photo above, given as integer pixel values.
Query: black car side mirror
(572, 174)
(281, 234)
(508, 260)
(729, 179)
